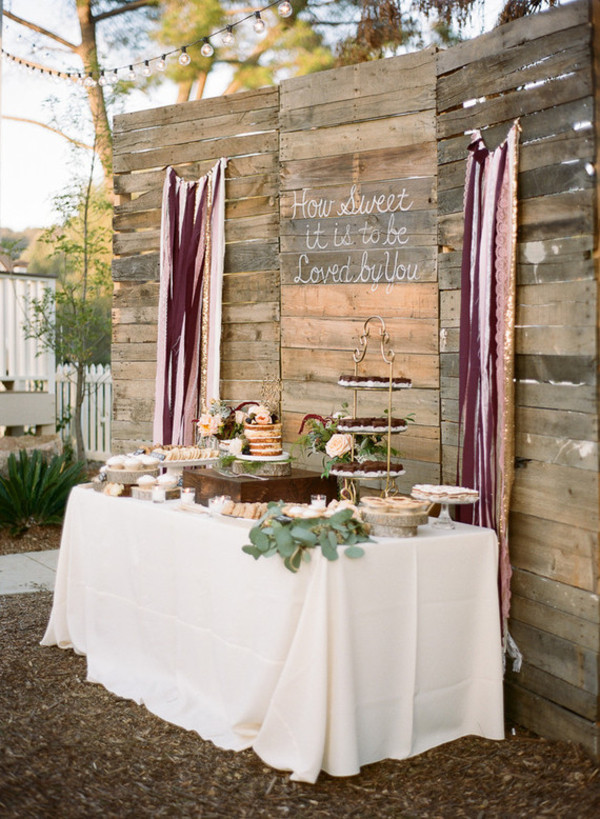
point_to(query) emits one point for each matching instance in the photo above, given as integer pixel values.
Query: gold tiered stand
(388, 355)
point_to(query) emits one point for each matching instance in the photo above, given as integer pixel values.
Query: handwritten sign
(358, 239)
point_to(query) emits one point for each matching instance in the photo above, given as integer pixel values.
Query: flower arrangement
(260, 414)
(221, 421)
(321, 437)
(293, 538)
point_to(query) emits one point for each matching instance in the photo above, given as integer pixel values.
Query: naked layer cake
(264, 439)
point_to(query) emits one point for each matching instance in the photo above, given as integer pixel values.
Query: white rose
(235, 446)
(240, 416)
(338, 445)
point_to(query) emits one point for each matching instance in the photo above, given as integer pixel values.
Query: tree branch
(50, 128)
(135, 4)
(40, 30)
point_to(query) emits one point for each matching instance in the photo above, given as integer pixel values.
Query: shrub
(35, 489)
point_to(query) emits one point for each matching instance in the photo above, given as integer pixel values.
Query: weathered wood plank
(570, 603)
(144, 267)
(324, 398)
(552, 55)
(384, 269)
(550, 720)
(510, 35)
(249, 351)
(549, 123)
(410, 335)
(566, 396)
(263, 312)
(409, 300)
(396, 162)
(549, 152)
(238, 168)
(559, 493)
(398, 74)
(260, 368)
(251, 331)
(197, 109)
(561, 658)
(411, 129)
(556, 368)
(196, 150)
(327, 365)
(514, 103)
(557, 691)
(204, 127)
(564, 451)
(251, 287)
(133, 351)
(557, 340)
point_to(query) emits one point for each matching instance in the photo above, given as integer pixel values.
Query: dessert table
(343, 664)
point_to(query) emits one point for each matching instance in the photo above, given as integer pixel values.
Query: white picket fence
(96, 412)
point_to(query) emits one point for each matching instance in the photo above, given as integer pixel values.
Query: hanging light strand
(130, 71)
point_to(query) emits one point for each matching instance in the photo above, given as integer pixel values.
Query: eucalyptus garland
(295, 538)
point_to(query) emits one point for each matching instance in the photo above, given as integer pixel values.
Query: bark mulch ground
(71, 749)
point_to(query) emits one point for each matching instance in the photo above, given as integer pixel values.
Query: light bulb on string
(89, 82)
(146, 70)
(184, 57)
(161, 63)
(113, 77)
(102, 79)
(259, 23)
(131, 75)
(285, 9)
(207, 50)
(228, 38)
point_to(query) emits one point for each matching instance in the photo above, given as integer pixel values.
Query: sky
(35, 164)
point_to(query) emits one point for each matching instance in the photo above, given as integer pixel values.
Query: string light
(100, 77)
(207, 50)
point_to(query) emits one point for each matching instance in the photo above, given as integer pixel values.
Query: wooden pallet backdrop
(339, 178)
(191, 138)
(358, 237)
(540, 70)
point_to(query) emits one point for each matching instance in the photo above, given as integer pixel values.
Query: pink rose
(208, 425)
(263, 418)
(338, 445)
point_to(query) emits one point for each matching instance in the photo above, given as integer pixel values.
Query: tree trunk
(89, 55)
(79, 395)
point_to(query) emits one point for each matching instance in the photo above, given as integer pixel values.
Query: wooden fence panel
(540, 70)
(191, 137)
(358, 238)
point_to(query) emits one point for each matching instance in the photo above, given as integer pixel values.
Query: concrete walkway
(28, 572)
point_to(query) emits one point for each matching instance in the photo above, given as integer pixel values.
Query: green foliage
(294, 538)
(35, 490)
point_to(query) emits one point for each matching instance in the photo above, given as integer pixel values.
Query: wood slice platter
(395, 524)
(263, 469)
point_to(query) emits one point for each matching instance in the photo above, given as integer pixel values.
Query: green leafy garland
(294, 538)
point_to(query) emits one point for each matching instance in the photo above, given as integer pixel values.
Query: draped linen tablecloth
(341, 665)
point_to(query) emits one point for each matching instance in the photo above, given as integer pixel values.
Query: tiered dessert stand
(388, 385)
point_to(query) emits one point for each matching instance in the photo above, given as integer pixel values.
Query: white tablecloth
(340, 665)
